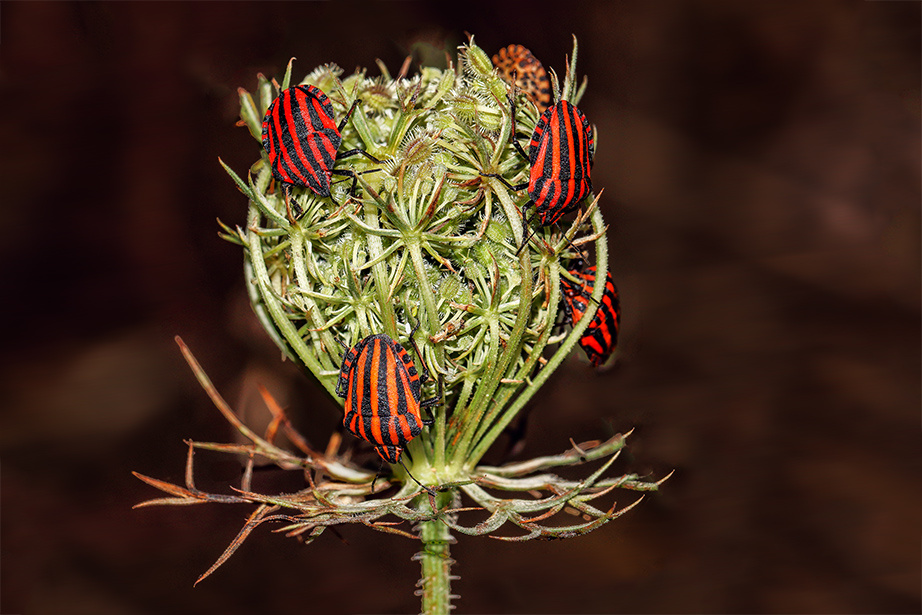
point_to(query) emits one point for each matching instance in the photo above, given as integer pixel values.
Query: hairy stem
(435, 583)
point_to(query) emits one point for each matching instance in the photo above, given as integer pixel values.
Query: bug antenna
(428, 490)
(578, 251)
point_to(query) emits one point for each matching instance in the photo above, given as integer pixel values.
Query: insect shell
(301, 138)
(383, 393)
(560, 154)
(518, 66)
(600, 338)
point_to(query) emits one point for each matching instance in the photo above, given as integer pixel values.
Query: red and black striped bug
(519, 67)
(302, 139)
(600, 338)
(560, 156)
(383, 394)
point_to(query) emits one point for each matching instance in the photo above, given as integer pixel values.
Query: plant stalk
(436, 562)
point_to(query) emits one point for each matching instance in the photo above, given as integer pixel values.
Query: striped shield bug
(302, 140)
(560, 157)
(383, 394)
(600, 338)
(560, 153)
(519, 67)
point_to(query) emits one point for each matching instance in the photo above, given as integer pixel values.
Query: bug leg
(423, 377)
(353, 152)
(342, 124)
(424, 373)
(428, 403)
(519, 148)
(514, 188)
(294, 210)
(578, 252)
(353, 175)
(525, 227)
(512, 134)
(525, 219)
(346, 367)
(393, 454)
(377, 474)
(428, 490)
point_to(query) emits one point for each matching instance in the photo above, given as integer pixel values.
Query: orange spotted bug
(383, 394)
(301, 139)
(600, 338)
(519, 67)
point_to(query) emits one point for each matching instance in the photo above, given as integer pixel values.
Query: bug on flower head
(560, 156)
(560, 153)
(519, 67)
(383, 394)
(600, 338)
(302, 139)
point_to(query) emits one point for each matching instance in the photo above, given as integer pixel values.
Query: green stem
(379, 271)
(401, 126)
(275, 310)
(510, 208)
(512, 351)
(501, 397)
(601, 246)
(313, 312)
(436, 562)
(487, 386)
(430, 324)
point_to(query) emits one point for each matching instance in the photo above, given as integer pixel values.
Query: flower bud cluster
(429, 235)
(423, 237)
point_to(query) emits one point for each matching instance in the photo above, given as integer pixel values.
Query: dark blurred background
(761, 166)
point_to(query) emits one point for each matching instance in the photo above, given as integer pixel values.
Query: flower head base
(428, 237)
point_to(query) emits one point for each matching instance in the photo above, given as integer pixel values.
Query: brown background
(761, 167)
